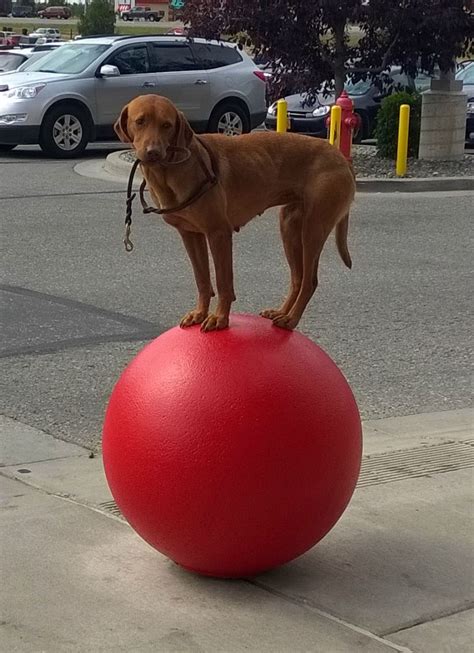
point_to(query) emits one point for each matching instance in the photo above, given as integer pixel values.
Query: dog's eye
(140, 121)
(166, 125)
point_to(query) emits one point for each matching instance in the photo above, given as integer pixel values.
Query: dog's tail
(342, 228)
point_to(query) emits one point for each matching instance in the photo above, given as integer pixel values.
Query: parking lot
(76, 307)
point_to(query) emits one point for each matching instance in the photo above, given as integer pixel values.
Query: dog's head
(153, 124)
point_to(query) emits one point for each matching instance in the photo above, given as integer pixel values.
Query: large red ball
(235, 451)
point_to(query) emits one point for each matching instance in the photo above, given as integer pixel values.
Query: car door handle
(149, 84)
(201, 82)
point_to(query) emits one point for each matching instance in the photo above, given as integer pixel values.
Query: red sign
(123, 7)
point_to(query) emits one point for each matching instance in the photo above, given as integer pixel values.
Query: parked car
(11, 38)
(145, 13)
(466, 74)
(22, 11)
(74, 94)
(55, 12)
(309, 117)
(7, 40)
(50, 33)
(12, 59)
(30, 41)
(18, 60)
(177, 31)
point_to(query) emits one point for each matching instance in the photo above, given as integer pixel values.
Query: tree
(316, 42)
(98, 19)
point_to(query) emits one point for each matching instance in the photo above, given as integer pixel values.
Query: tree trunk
(339, 58)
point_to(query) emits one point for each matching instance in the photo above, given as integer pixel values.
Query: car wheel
(65, 132)
(229, 119)
(6, 147)
(151, 19)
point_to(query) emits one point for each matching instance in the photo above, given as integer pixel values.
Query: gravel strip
(368, 164)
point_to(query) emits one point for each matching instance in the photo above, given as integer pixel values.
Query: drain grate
(112, 507)
(392, 466)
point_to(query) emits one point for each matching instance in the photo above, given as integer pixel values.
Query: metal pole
(402, 149)
(335, 126)
(282, 116)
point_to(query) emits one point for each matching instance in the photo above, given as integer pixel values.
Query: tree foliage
(98, 19)
(317, 41)
(386, 130)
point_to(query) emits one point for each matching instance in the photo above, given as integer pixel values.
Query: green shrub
(98, 19)
(386, 130)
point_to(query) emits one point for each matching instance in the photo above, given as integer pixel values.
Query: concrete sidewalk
(396, 573)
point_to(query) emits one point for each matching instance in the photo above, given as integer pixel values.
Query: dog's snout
(153, 152)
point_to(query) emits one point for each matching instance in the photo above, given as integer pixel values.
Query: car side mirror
(109, 71)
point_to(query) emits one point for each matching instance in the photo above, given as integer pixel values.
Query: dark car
(137, 13)
(22, 11)
(309, 118)
(466, 75)
(55, 12)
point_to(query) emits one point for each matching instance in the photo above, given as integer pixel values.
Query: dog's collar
(209, 182)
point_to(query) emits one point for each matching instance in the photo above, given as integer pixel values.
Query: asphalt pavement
(76, 307)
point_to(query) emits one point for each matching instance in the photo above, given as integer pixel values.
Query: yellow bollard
(402, 149)
(282, 116)
(335, 125)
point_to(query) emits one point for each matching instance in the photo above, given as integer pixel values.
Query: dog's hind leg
(291, 224)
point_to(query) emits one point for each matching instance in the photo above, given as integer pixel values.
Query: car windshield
(357, 88)
(69, 59)
(9, 61)
(466, 74)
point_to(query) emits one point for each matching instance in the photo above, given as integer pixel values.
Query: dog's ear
(121, 126)
(184, 133)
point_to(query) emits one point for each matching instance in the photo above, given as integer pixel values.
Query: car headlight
(24, 92)
(272, 109)
(470, 106)
(321, 111)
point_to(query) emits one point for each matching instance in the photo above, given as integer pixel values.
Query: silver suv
(74, 94)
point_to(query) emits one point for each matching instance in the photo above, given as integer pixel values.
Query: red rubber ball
(232, 452)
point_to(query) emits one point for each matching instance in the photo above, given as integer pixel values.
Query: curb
(117, 167)
(414, 185)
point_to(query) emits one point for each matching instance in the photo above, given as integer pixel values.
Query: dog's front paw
(215, 322)
(270, 313)
(193, 317)
(284, 321)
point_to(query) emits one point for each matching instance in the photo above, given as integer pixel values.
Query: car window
(172, 57)
(216, 56)
(466, 74)
(357, 88)
(69, 59)
(10, 61)
(132, 60)
(422, 82)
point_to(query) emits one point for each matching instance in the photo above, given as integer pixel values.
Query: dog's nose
(153, 153)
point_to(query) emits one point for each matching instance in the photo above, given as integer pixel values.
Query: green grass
(69, 30)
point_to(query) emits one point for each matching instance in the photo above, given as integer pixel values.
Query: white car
(50, 33)
(12, 59)
(19, 59)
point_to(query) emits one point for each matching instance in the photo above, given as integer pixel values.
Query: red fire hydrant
(349, 122)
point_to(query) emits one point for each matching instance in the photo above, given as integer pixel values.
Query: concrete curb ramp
(395, 574)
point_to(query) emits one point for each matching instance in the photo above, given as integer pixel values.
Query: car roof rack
(124, 37)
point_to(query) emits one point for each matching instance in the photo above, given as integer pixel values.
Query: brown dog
(210, 186)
